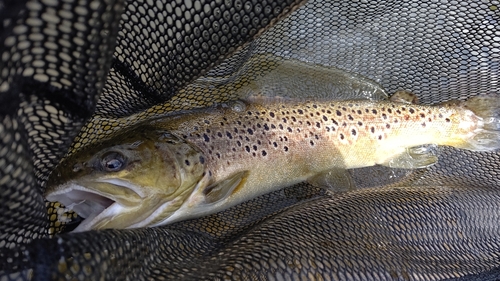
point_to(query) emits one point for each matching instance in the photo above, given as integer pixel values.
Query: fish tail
(487, 137)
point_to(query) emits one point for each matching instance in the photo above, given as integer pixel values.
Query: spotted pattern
(265, 130)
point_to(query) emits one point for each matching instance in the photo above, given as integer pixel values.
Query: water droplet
(238, 106)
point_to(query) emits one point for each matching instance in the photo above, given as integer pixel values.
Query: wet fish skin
(204, 161)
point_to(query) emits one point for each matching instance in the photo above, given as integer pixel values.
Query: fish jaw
(95, 205)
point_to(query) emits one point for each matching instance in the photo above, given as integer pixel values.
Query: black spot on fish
(285, 148)
(344, 109)
(206, 121)
(294, 119)
(259, 142)
(247, 148)
(327, 129)
(335, 122)
(338, 113)
(372, 129)
(341, 136)
(412, 110)
(289, 129)
(350, 117)
(280, 126)
(222, 123)
(422, 115)
(353, 132)
(384, 115)
(374, 111)
(360, 123)
(271, 114)
(447, 120)
(202, 160)
(440, 115)
(389, 110)
(318, 125)
(300, 111)
(387, 126)
(187, 162)
(239, 122)
(266, 127)
(206, 138)
(247, 139)
(273, 127)
(219, 134)
(398, 111)
(315, 106)
(344, 124)
(325, 118)
(264, 153)
(308, 123)
(228, 134)
(359, 111)
(275, 144)
(238, 143)
(316, 137)
(250, 131)
(258, 125)
(218, 155)
(329, 112)
(312, 143)
(284, 120)
(255, 147)
(423, 124)
(249, 112)
(208, 131)
(253, 154)
(367, 110)
(380, 137)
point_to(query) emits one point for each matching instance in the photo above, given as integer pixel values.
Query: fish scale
(203, 161)
(301, 129)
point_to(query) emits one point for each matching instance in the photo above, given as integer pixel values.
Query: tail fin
(488, 108)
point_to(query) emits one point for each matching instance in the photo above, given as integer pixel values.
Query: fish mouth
(92, 205)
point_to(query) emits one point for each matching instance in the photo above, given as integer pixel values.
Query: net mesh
(75, 72)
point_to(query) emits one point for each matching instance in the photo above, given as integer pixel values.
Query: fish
(202, 161)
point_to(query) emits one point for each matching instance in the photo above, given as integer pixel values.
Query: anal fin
(413, 158)
(335, 180)
(223, 189)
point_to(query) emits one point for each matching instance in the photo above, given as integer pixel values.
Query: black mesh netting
(75, 72)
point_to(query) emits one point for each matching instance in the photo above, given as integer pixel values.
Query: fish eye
(113, 161)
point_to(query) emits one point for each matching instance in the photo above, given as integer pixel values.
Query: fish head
(136, 179)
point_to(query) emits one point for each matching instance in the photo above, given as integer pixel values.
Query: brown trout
(203, 161)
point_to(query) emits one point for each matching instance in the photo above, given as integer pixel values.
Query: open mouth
(86, 203)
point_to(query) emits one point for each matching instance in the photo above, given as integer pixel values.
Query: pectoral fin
(336, 180)
(413, 158)
(224, 188)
